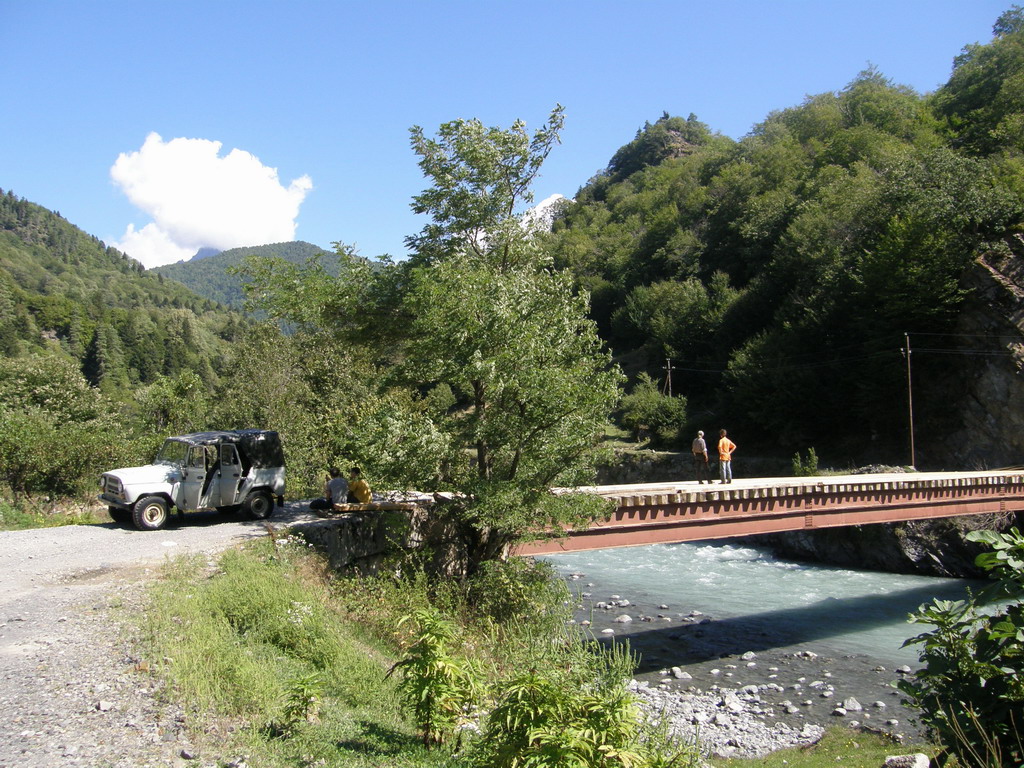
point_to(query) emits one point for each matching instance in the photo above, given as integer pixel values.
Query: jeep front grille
(111, 485)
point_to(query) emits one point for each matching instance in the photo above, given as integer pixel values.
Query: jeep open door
(230, 477)
(195, 476)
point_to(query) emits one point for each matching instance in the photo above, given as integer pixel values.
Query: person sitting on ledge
(335, 491)
(358, 489)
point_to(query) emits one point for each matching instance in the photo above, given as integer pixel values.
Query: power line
(966, 352)
(1018, 337)
(721, 366)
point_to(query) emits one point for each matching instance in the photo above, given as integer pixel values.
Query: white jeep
(228, 470)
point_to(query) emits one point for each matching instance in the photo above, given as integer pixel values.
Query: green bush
(56, 432)
(805, 467)
(574, 710)
(646, 411)
(520, 590)
(42, 454)
(971, 689)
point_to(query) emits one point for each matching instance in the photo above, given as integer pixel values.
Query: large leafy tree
(493, 322)
(482, 353)
(480, 179)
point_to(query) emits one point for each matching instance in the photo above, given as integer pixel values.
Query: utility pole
(910, 398)
(668, 377)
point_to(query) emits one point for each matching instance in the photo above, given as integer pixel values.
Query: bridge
(686, 511)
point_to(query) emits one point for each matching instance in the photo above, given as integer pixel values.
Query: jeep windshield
(172, 452)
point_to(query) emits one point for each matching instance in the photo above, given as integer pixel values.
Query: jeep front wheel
(259, 505)
(119, 515)
(150, 513)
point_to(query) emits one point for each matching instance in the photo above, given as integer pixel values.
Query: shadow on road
(292, 512)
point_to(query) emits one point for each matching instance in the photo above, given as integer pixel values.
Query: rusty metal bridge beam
(678, 517)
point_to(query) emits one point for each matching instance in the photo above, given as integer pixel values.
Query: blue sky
(239, 123)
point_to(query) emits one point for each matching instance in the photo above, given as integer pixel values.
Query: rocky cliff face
(989, 392)
(926, 547)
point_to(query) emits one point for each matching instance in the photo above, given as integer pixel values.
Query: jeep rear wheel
(150, 513)
(259, 505)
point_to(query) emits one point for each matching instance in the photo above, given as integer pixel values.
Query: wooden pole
(910, 399)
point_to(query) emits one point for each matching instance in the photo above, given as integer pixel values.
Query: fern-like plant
(440, 686)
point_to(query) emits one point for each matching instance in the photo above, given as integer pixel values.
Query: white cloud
(196, 198)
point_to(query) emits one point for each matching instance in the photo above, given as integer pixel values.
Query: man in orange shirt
(725, 451)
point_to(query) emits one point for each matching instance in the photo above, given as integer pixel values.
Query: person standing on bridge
(725, 451)
(700, 458)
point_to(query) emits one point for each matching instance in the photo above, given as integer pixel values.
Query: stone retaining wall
(363, 543)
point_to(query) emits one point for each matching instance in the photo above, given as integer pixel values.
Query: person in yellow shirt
(725, 451)
(358, 489)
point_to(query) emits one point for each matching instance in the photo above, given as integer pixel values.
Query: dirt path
(69, 689)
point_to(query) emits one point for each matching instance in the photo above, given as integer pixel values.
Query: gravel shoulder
(71, 690)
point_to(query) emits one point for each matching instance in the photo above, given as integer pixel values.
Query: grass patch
(838, 747)
(25, 514)
(255, 642)
(274, 660)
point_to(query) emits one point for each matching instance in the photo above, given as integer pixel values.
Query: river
(841, 610)
(702, 606)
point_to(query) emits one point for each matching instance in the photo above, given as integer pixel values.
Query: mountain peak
(205, 253)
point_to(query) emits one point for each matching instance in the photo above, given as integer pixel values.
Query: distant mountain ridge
(208, 276)
(63, 291)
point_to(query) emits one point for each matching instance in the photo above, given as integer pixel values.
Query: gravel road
(69, 688)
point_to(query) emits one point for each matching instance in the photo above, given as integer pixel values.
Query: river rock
(917, 760)
(623, 619)
(852, 705)
(723, 723)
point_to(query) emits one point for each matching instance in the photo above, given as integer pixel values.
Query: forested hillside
(61, 288)
(213, 277)
(779, 273)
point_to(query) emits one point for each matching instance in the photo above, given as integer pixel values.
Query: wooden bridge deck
(686, 511)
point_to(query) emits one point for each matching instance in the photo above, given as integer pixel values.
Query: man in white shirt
(700, 458)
